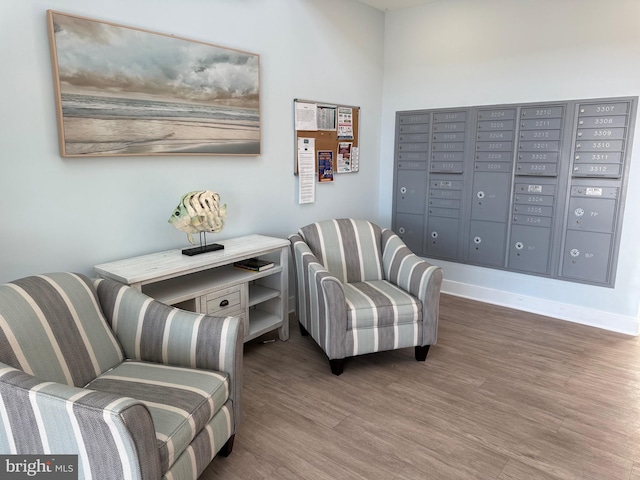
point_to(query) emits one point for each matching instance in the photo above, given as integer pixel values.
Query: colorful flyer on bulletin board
(325, 166)
(344, 157)
(345, 123)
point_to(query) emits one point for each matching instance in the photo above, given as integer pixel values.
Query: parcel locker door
(411, 191)
(486, 245)
(442, 237)
(529, 249)
(490, 196)
(591, 214)
(410, 228)
(586, 256)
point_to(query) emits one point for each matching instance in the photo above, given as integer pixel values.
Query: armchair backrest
(52, 327)
(350, 249)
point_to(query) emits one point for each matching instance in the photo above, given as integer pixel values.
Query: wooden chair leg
(337, 366)
(421, 352)
(226, 449)
(303, 331)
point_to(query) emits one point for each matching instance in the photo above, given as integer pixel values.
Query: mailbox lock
(519, 245)
(579, 212)
(480, 194)
(401, 230)
(434, 234)
(574, 252)
(403, 190)
(477, 240)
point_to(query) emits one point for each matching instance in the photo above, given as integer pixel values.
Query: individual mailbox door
(493, 156)
(486, 244)
(531, 209)
(538, 157)
(413, 147)
(494, 136)
(603, 121)
(529, 249)
(443, 203)
(490, 196)
(449, 137)
(599, 109)
(442, 237)
(411, 191)
(600, 133)
(453, 116)
(536, 135)
(542, 123)
(411, 118)
(599, 145)
(590, 157)
(535, 169)
(414, 128)
(591, 214)
(410, 228)
(409, 165)
(493, 167)
(447, 167)
(534, 199)
(413, 137)
(586, 256)
(539, 146)
(597, 170)
(448, 194)
(414, 156)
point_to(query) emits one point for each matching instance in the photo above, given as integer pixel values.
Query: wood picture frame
(128, 91)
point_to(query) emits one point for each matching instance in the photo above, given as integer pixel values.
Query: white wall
(481, 52)
(70, 214)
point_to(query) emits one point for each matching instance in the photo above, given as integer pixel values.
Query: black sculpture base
(202, 249)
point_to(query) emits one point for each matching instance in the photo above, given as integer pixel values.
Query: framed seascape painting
(127, 91)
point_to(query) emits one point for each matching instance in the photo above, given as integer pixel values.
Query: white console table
(209, 283)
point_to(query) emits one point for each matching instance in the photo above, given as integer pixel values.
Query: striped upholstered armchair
(134, 388)
(359, 290)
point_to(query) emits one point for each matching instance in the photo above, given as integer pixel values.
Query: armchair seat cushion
(379, 303)
(182, 401)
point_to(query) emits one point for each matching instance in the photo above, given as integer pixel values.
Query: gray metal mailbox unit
(533, 188)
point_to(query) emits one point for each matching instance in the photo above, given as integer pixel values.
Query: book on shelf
(254, 264)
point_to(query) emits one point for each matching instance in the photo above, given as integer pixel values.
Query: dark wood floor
(503, 395)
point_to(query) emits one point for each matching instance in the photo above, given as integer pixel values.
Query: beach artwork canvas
(127, 91)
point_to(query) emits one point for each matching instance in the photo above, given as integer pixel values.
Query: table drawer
(221, 302)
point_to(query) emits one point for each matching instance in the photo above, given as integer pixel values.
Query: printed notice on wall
(355, 159)
(306, 170)
(306, 116)
(345, 123)
(326, 117)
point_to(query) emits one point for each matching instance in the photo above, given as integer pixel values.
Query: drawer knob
(224, 303)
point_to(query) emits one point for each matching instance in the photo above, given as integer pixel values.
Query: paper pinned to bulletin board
(334, 128)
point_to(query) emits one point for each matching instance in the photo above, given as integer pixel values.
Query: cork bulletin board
(331, 128)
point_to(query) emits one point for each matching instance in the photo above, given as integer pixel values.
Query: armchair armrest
(113, 436)
(320, 300)
(154, 332)
(415, 275)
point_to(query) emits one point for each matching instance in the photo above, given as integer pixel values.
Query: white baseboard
(572, 313)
